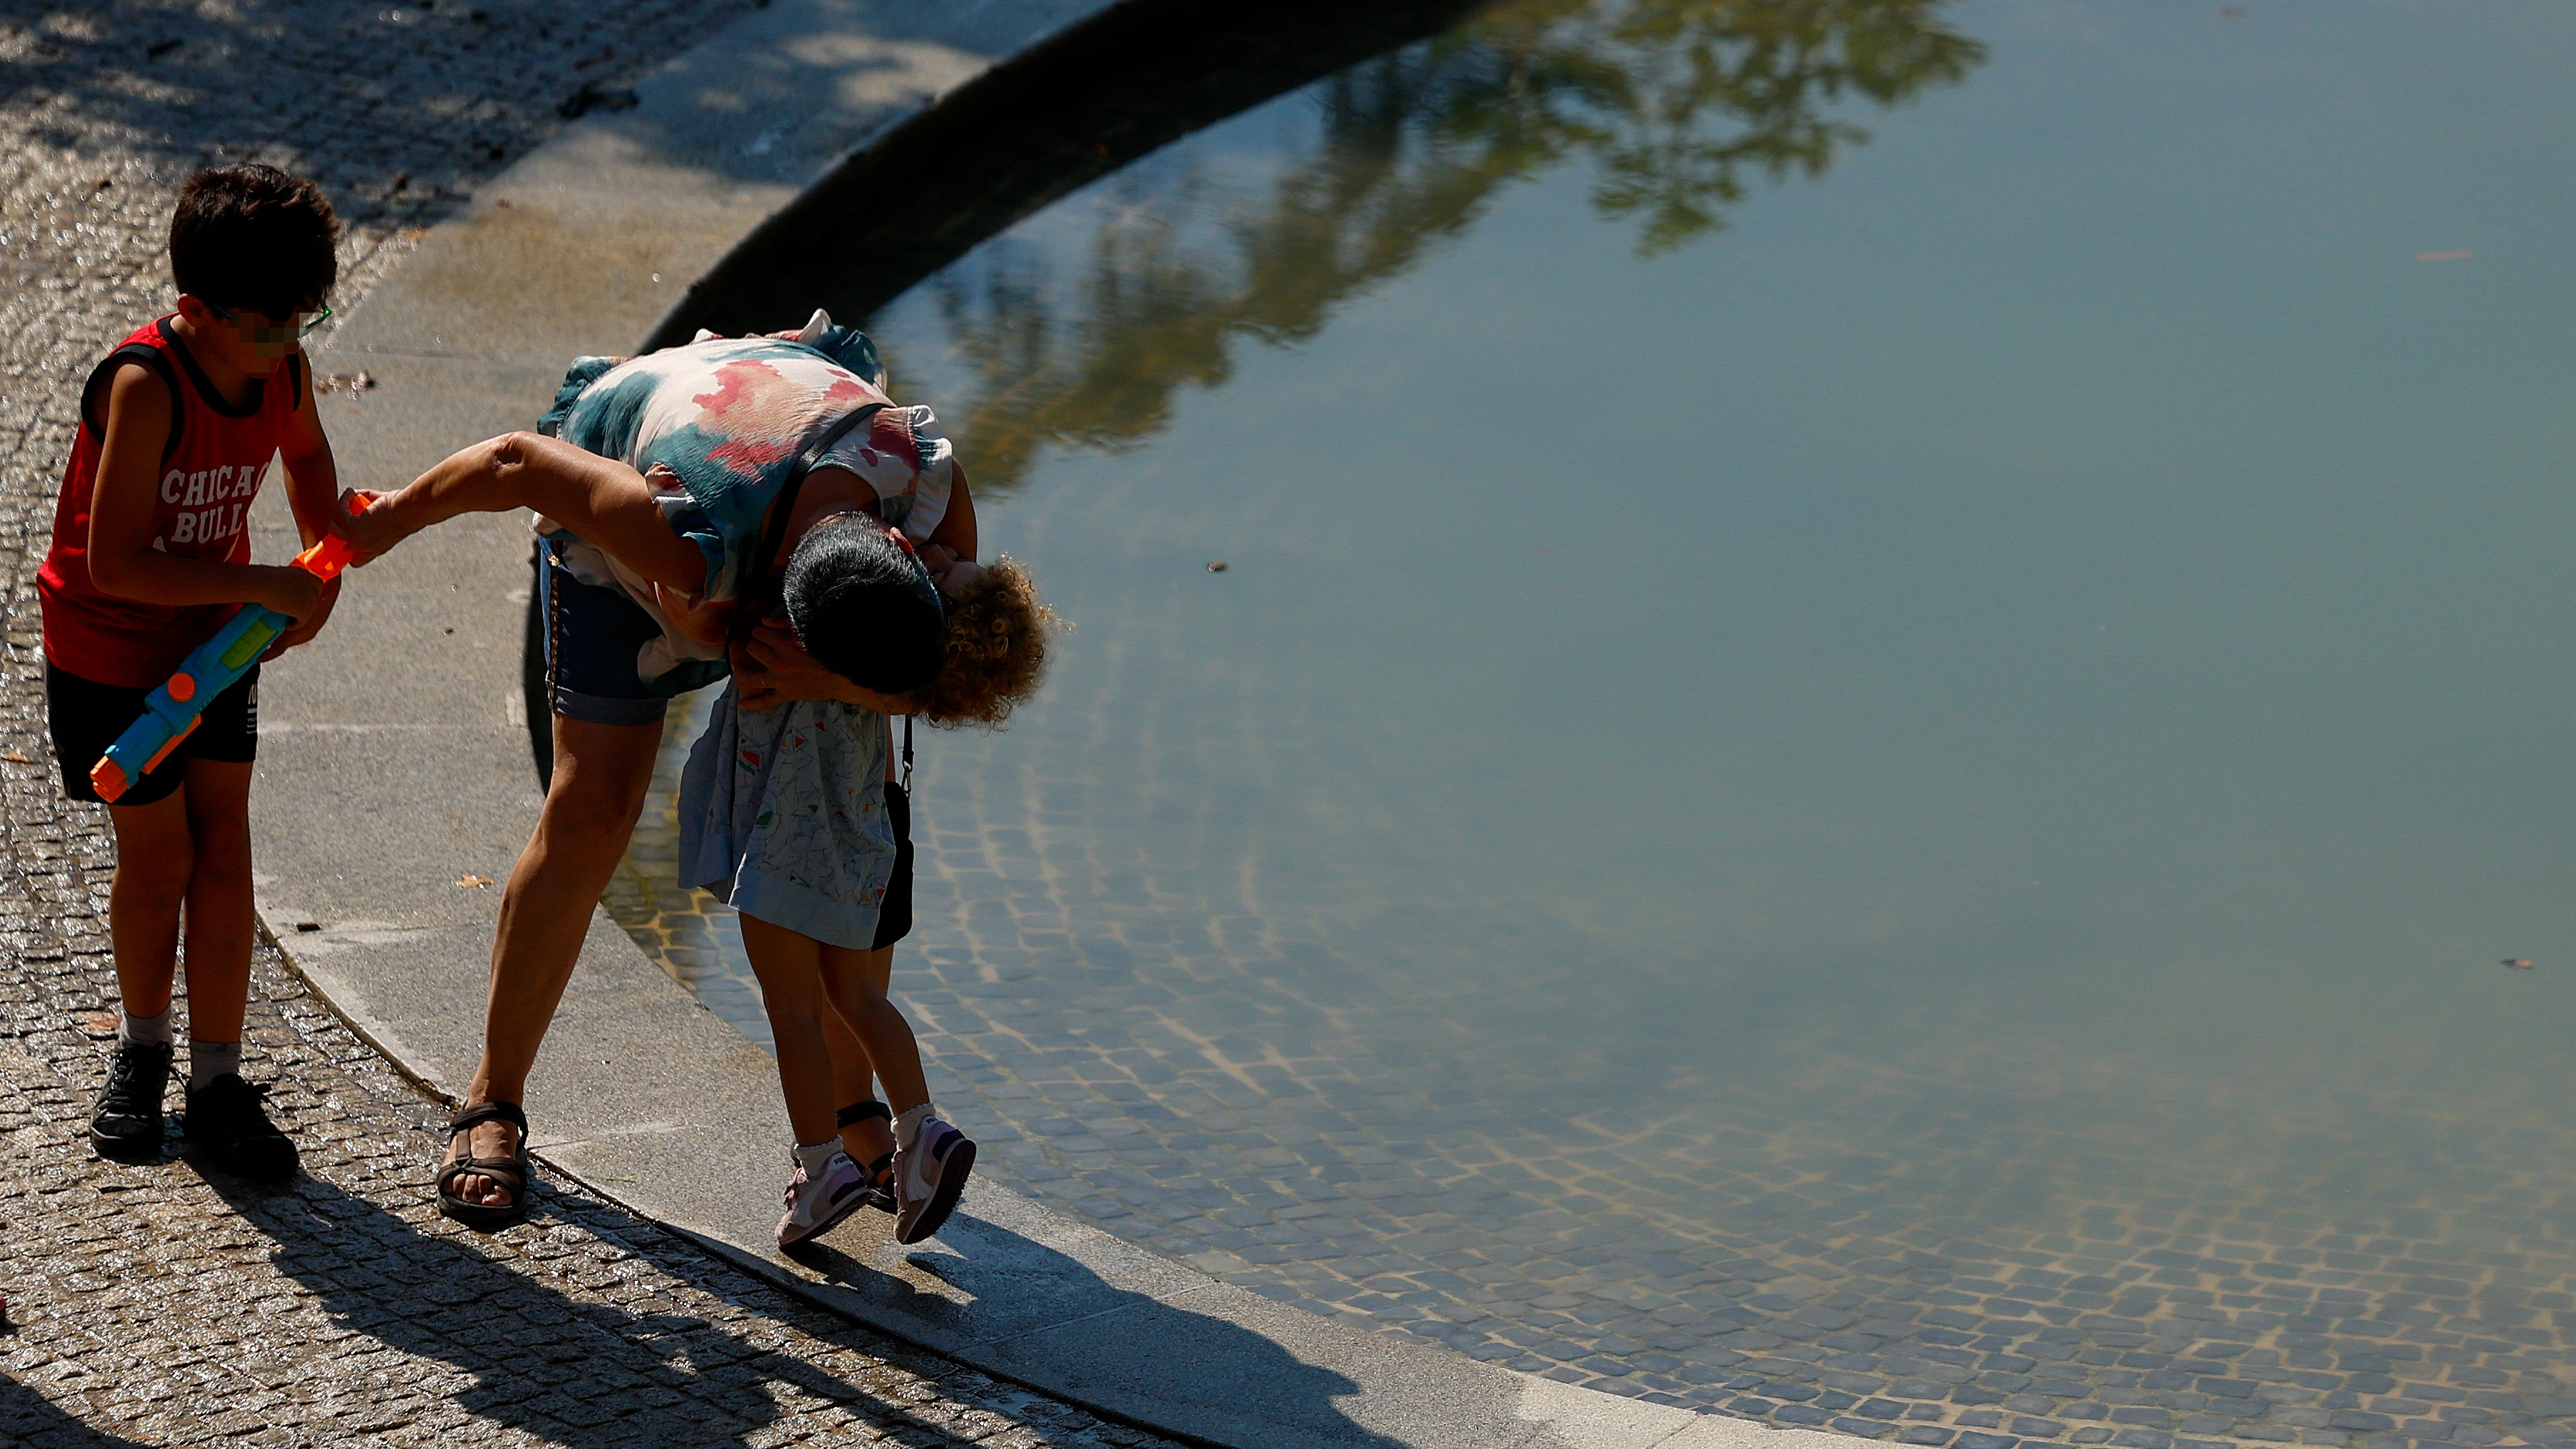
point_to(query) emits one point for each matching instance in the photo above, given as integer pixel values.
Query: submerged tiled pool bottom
(1877, 784)
(1874, 1242)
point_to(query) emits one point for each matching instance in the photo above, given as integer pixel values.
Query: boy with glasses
(150, 555)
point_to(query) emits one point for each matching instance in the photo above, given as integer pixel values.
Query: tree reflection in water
(1675, 104)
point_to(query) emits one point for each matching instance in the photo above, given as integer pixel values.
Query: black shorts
(894, 915)
(87, 716)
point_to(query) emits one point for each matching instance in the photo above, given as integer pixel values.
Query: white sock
(208, 1060)
(816, 1158)
(907, 1127)
(132, 1030)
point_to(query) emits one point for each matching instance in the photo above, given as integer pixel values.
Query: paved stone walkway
(156, 1305)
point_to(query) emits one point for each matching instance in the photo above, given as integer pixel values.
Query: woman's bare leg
(601, 774)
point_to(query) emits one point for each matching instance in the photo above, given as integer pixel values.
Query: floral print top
(716, 425)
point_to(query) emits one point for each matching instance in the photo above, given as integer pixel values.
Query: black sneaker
(227, 1124)
(127, 1124)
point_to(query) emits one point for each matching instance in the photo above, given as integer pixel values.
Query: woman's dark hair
(863, 607)
(252, 237)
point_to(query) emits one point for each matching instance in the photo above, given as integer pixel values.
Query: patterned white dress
(783, 814)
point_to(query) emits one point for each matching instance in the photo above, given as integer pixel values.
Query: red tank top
(210, 471)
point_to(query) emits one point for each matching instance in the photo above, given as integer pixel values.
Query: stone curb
(643, 1095)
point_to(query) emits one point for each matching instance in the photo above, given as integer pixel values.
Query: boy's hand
(296, 594)
(307, 625)
(772, 669)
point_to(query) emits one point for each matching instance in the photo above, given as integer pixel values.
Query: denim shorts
(595, 636)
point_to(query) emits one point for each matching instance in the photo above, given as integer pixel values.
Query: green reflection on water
(1670, 103)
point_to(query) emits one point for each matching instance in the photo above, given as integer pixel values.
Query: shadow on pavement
(563, 1368)
(1044, 1318)
(148, 70)
(28, 1417)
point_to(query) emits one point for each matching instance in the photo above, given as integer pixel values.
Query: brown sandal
(517, 1172)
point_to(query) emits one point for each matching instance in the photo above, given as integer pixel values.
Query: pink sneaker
(813, 1207)
(929, 1179)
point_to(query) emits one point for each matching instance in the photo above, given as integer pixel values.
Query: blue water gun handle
(173, 710)
(179, 704)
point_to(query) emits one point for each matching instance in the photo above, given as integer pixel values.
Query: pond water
(1888, 684)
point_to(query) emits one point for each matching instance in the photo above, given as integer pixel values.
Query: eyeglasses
(301, 325)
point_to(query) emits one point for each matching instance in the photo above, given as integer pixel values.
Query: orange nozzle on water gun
(326, 559)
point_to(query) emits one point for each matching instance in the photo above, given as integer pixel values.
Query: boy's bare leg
(154, 858)
(601, 774)
(853, 1074)
(220, 912)
(857, 985)
(791, 987)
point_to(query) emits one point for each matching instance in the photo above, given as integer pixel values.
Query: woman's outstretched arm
(598, 498)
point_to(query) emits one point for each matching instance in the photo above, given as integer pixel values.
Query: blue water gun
(175, 709)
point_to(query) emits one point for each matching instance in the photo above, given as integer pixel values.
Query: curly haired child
(790, 814)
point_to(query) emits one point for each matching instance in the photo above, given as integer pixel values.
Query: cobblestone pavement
(156, 1305)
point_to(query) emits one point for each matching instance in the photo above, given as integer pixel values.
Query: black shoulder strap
(93, 418)
(747, 612)
(295, 382)
(207, 392)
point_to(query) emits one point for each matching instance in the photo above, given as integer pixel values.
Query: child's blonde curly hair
(997, 649)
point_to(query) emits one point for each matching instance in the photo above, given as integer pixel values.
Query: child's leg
(933, 1159)
(154, 858)
(226, 1121)
(856, 982)
(790, 970)
(220, 915)
(853, 1074)
(828, 1186)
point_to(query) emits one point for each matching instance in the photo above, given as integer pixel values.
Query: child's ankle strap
(858, 1112)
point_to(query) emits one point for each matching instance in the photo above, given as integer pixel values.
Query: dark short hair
(252, 237)
(863, 607)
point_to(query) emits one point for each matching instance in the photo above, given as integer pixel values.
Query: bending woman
(657, 483)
